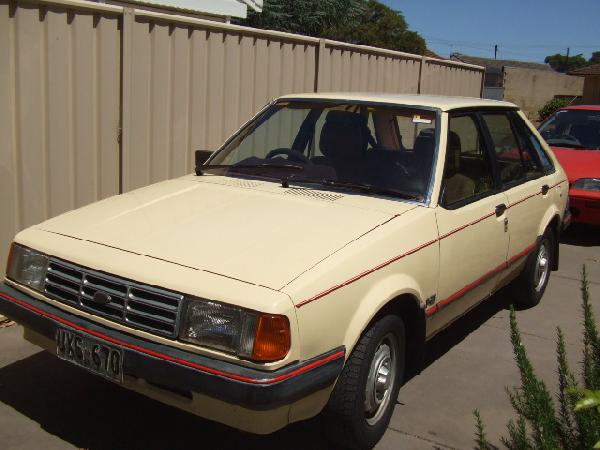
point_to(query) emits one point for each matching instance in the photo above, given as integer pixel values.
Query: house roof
(587, 70)
(223, 8)
(432, 54)
(498, 63)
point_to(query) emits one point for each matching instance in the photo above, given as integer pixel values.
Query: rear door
(471, 223)
(521, 177)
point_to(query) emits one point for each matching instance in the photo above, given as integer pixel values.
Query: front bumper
(181, 371)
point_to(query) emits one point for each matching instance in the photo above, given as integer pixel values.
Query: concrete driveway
(47, 404)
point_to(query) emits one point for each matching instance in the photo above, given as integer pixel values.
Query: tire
(531, 284)
(351, 420)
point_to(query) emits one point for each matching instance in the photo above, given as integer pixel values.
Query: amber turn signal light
(272, 339)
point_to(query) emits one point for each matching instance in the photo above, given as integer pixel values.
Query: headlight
(247, 334)
(588, 184)
(26, 266)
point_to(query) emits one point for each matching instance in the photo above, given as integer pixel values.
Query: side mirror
(201, 156)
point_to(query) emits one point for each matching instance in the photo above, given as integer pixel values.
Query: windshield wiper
(294, 167)
(371, 189)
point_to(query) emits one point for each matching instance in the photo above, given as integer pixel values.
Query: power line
(519, 46)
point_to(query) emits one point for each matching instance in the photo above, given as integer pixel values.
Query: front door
(471, 218)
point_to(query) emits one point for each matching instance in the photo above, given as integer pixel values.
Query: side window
(467, 169)
(534, 143)
(516, 162)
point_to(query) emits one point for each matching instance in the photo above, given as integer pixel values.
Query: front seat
(455, 185)
(343, 143)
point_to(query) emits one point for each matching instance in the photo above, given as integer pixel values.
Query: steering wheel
(567, 137)
(292, 155)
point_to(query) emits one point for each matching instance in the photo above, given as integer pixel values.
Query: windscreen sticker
(419, 119)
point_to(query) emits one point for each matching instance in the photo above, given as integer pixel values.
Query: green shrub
(575, 422)
(551, 107)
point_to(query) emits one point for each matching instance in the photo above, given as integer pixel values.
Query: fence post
(423, 62)
(483, 82)
(125, 127)
(319, 61)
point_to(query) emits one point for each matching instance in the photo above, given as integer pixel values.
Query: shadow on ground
(91, 413)
(581, 235)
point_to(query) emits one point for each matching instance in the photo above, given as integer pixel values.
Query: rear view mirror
(201, 156)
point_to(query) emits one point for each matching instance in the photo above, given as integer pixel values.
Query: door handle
(500, 209)
(545, 189)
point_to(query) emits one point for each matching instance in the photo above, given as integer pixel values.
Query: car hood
(253, 232)
(579, 163)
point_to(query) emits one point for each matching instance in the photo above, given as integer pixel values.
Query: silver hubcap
(380, 380)
(541, 268)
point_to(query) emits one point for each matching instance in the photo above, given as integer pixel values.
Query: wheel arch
(409, 309)
(552, 221)
(407, 305)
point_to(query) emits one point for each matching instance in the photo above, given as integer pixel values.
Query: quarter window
(467, 169)
(516, 162)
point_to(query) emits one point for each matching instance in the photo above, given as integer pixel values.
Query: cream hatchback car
(304, 265)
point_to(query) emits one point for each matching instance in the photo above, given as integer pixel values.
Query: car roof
(443, 102)
(584, 107)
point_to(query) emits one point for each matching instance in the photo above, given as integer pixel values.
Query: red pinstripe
(364, 274)
(182, 362)
(435, 308)
(410, 252)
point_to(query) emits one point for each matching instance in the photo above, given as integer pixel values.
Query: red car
(574, 135)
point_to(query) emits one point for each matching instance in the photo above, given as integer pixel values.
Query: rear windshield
(382, 148)
(574, 128)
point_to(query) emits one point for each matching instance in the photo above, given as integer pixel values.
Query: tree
(309, 17)
(561, 63)
(380, 26)
(366, 22)
(595, 59)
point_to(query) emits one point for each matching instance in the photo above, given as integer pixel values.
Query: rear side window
(516, 161)
(534, 143)
(467, 169)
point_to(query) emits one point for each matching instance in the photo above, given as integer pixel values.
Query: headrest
(453, 149)
(425, 141)
(344, 135)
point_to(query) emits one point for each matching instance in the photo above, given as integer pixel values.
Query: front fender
(376, 298)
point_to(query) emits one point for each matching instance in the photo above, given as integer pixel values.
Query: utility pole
(567, 61)
(496, 51)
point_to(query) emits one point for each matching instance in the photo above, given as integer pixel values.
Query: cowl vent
(320, 195)
(236, 182)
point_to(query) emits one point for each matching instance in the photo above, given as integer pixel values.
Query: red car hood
(579, 163)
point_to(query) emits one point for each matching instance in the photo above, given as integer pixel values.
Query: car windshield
(368, 148)
(574, 128)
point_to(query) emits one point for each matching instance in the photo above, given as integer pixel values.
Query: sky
(527, 30)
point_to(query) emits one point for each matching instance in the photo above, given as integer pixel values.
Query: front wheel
(362, 402)
(531, 284)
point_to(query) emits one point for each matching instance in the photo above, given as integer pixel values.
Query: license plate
(90, 354)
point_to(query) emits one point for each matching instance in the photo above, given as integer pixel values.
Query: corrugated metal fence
(98, 99)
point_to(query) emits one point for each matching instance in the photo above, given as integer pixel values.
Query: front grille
(136, 305)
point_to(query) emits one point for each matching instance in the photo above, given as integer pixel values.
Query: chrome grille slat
(147, 308)
(96, 287)
(63, 296)
(132, 312)
(101, 307)
(66, 277)
(152, 303)
(62, 287)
